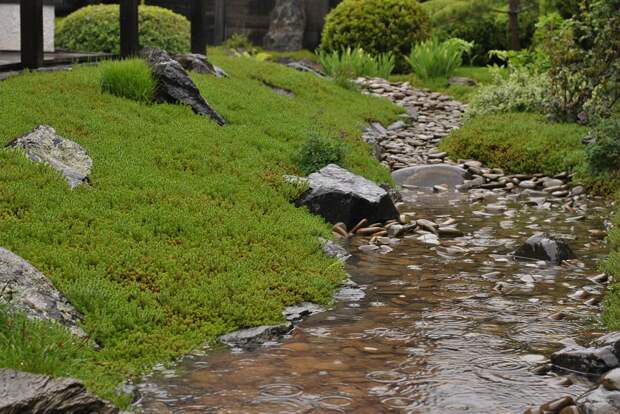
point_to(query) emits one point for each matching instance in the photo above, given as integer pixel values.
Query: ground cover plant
(131, 78)
(520, 143)
(352, 63)
(186, 230)
(96, 28)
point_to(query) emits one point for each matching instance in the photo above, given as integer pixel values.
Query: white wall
(10, 32)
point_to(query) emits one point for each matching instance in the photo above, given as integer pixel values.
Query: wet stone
(253, 338)
(545, 247)
(586, 360)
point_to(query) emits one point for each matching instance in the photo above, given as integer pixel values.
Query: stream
(457, 327)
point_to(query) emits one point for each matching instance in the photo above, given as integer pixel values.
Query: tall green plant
(351, 63)
(436, 59)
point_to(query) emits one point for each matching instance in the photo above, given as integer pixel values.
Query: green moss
(519, 143)
(187, 230)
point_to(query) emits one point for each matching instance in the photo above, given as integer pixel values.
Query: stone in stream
(545, 247)
(199, 63)
(43, 145)
(602, 356)
(599, 401)
(428, 176)
(27, 290)
(286, 27)
(175, 86)
(295, 313)
(23, 392)
(334, 250)
(252, 338)
(341, 196)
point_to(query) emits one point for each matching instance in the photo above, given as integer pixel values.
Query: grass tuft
(131, 79)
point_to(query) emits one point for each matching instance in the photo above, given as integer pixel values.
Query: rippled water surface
(434, 333)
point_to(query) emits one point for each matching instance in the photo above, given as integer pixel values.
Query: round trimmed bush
(377, 26)
(97, 29)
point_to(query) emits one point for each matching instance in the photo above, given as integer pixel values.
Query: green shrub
(377, 26)
(351, 63)
(520, 91)
(319, 151)
(584, 55)
(479, 22)
(519, 142)
(239, 41)
(436, 59)
(131, 78)
(603, 154)
(96, 29)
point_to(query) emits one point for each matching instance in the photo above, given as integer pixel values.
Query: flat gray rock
(341, 196)
(600, 401)
(428, 176)
(43, 145)
(585, 360)
(333, 249)
(297, 312)
(23, 392)
(26, 289)
(252, 338)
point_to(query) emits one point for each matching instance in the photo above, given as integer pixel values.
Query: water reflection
(450, 328)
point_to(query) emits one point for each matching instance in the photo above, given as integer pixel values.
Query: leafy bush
(96, 29)
(520, 91)
(240, 42)
(352, 63)
(319, 151)
(131, 78)
(436, 59)
(479, 22)
(519, 142)
(603, 153)
(377, 26)
(584, 55)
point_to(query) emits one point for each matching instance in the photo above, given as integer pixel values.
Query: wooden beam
(220, 22)
(31, 26)
(199, 26)
(129, 28)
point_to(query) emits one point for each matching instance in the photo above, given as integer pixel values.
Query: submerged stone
(23, 392)
(545, 247)
(252, 338)
(175, 86)
(43, 145)
(26, 289)
(428, 176)
(341, 196)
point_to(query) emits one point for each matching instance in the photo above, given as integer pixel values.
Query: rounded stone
(428, 176)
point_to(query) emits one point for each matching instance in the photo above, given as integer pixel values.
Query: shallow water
(433, 333)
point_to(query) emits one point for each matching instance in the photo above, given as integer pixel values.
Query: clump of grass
(130, 78)
(319, 151)
(436, 59)
(352, 63)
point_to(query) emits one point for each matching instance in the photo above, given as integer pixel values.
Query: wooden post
(31, 26)
(129, 27)
(199, 26)
(220, 22)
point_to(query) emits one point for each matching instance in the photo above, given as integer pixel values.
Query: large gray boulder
(175, 86)
(603, 355)
(23, 392)
(26, 289)
(287, 26)
(341, 196)
(545, 247)
(43, 145)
